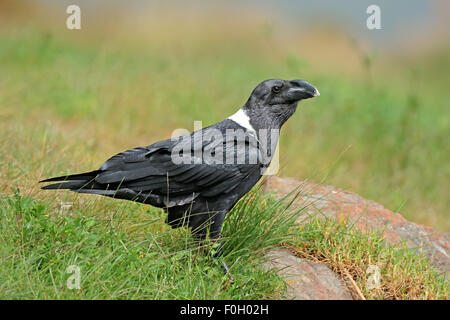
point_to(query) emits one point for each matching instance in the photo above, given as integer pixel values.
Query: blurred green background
(137, 70)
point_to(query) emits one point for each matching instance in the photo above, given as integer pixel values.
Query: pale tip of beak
(316, 93)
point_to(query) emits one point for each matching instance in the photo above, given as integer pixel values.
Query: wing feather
(151, 169)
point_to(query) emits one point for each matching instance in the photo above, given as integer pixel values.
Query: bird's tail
(72, 182)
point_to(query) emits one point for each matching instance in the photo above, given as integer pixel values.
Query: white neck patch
(242, 119)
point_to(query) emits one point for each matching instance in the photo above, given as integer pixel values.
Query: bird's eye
(276, 89)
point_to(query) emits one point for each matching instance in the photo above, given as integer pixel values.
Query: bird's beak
(301, 89)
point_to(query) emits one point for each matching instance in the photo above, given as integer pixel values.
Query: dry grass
(404, 273)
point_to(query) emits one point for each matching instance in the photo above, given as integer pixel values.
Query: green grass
(126, 251)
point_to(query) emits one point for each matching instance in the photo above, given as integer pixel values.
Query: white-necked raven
(199, 177)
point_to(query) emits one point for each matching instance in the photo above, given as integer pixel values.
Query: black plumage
(199, 192)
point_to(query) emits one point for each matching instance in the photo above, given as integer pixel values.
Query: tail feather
(72, 182)
(80, 176)
(72, 185)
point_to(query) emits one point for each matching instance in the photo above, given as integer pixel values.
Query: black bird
(199, 177)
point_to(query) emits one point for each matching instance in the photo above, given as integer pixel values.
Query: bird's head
(274, 101)
(277, 91)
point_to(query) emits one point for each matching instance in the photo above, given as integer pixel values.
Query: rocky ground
(311, 280)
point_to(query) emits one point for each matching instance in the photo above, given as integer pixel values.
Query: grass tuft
(360, 258)
(127, 252)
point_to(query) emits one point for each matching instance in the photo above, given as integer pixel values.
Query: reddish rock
(368, 215)
(306, 280)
